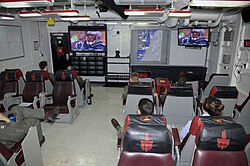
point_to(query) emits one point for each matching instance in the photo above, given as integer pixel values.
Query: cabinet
(117, 70)
(89, 65)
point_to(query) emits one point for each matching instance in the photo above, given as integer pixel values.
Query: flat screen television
(193, 37)
(88, 38)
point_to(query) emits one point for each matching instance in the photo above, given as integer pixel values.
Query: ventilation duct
(142, 2)
(118, 9)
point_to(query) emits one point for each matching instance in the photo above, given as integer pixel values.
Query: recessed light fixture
(179, 13)
(66, 12)
(75, 18)
(25, 3)
(220, 3)
(7, 17)
(141, 12)
(127, 23)
(34, 13)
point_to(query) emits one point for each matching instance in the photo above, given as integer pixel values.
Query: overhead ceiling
(117, 11)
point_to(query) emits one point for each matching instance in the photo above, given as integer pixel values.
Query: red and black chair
(15, 155)
(215, 79)
(64, 96)
(146, 142)
(219, 141)
(34, 85)
(12, 84)
(228, 95)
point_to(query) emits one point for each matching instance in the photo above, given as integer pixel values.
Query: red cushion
(145, 159)
(219, 158)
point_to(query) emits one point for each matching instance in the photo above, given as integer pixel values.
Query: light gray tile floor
(91, 139)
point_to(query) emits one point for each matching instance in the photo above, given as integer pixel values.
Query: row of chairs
(185, 97)
(148, 140)
(37, 91)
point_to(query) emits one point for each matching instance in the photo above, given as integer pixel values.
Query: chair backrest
(35, 84)
(9, 83)
(219, 141)
(215, 80)
(32, 154)
(15, 75)
(228, 95)
(146, 141)
(161, 84)
(247, 149)
(179, 105)
(135, 93)
(64, 87)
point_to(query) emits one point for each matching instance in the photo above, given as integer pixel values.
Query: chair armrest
(71, 98)
(48, 95)
(202, 84)
(5, 152)
(16, 148)
(176, 137)
(44, 98)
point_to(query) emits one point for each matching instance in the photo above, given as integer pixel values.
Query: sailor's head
(196, 33)
(94, 36)
(82, 36)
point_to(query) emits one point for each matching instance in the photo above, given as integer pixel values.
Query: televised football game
(88, 41)
(193, 37)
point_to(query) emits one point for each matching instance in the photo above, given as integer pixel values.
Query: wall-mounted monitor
(193, 37)
(88, 38)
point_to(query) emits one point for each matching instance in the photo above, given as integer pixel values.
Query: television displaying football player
(81, 43)
(196, 38)
(94, 41)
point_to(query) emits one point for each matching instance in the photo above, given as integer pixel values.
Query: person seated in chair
(145, 107)
(15, 127)
(80, 80)
(44, 67)
(133, 80)
(211, 107)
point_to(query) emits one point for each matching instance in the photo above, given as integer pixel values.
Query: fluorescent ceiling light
(7, 17)
(220, 3)
(146, 23)
(75, 18)
(67, 12)
(108, 23)
(127, 23)
(141, 12)
(25, 3)
(30, 14)
(111, 23)
(179, 13)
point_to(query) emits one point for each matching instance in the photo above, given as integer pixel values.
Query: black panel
(139, 90)
(226, 92)
(246, 15)
(183, 91)
(192, 73)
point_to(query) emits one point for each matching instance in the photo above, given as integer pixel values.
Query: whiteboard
(11, 42)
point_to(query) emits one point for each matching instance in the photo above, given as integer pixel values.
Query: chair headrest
(217, 74)
(37, 76)
(224, 92)
(147, 134)
(12, 74)
(183, 91)
(139, 89)
(65, 75)
(218, 133)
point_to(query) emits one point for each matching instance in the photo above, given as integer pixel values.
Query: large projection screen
(149, 46)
